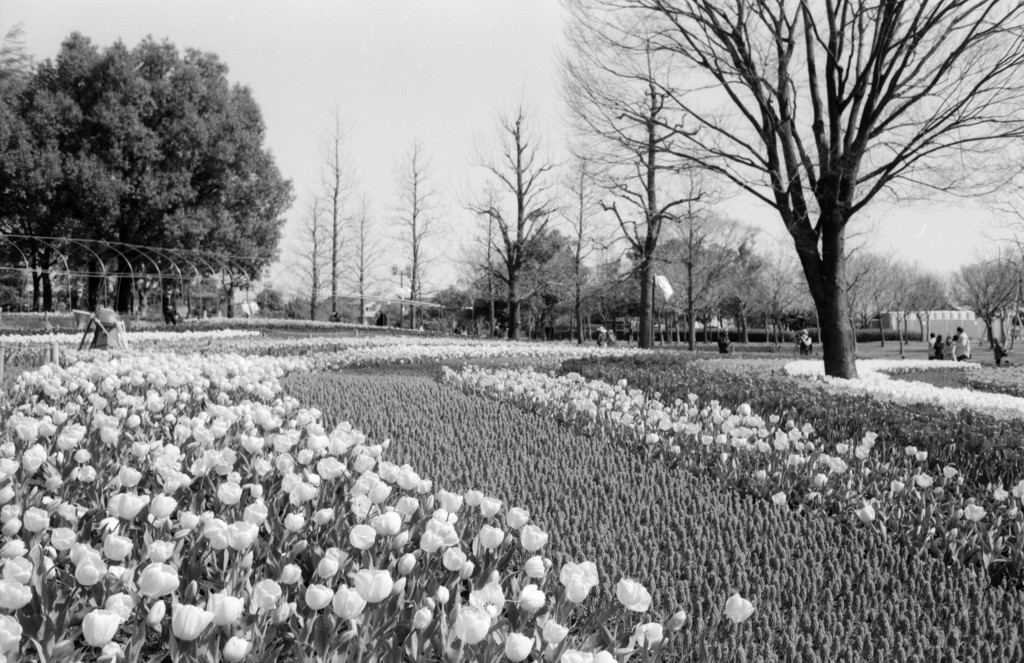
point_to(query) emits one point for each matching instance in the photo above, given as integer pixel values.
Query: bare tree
(584, 235)
(366, 253)
(522, 174)
(857, 280)
(312, 265)
(616, 86)
(930, 294)
(700, 243)
(336, 178)
(417, 214)
(987, 287)
(838, 101)
(778, 291)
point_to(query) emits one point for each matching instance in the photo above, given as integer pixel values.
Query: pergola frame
(166, 261)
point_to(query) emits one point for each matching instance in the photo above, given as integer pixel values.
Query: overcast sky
(399, 70)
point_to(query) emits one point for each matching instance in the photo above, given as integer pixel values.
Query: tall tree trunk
(646, 302)
(691, 313)
(513, 310)
(825, 278)
(578, 313)
(93, 283)
(491, 317)
(47, 290)
(881, 331)
(743, 325)
(37, 277)
(125, 288)
(231, 299)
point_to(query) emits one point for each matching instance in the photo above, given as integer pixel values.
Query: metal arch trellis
(24, 259)
(99, 260)
(67, 268)
(145, 256)
(211, 262)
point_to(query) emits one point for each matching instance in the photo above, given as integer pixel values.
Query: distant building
(941, 322)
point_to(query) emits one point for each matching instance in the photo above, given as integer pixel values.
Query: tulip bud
(467, 570)
(554, 632)
(676, 621)
(534, 567)
(236, 649)
(226, 609)
(318, 597)
(347, 603)
(531, 599)
(156, 613)
(282, 613)
(12, 527)
(290, 574)
(99, 627)
(188, 621)
(399, 541)
(422, 618)
(442, 595)
(518, 647)
(406, 564)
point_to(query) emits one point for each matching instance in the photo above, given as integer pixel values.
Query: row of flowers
(334, 352)
(186, 496)
(873, 380)
(893, 494)
(135, 337)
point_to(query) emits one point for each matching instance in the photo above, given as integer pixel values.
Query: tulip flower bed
(335, 352)
(986, 450)
(142, 338)
(875, 382)
(821, 590)
(183, 508)
(1003, 380)
(786, 463)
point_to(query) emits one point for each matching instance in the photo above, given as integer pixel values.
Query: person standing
(170, 311)
(931, 347)
(999, 351)
(963, 345)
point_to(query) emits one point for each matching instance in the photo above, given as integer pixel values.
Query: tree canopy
(145, 147)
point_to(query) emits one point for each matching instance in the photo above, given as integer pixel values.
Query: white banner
(664, 286)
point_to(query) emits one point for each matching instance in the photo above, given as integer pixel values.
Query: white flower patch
(874, 380)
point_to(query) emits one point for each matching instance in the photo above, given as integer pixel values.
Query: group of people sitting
(605, 336)
(804, 343)
(953, 348)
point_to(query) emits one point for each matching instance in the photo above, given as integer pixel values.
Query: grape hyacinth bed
(235, 496)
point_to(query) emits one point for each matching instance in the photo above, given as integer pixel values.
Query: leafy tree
(147, 147)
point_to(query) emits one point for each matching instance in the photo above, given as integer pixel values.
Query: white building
(943, 323)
